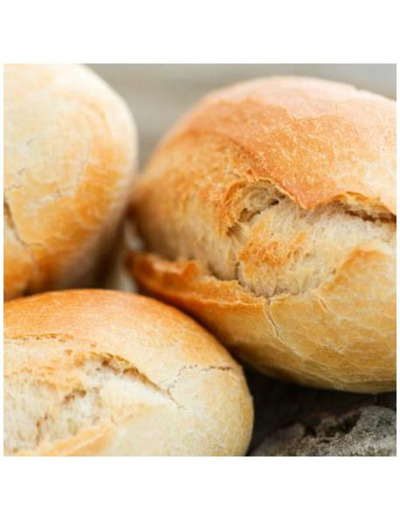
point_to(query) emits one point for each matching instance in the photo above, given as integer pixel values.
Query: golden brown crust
(306, 339)
(115, 373)
(70, 153)
(316, 140)
(269, 211)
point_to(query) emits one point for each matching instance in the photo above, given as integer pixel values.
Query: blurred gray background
(159, 94)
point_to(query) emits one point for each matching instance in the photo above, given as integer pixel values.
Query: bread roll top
(317, 141)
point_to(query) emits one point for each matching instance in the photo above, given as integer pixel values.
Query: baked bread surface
(268, 213)
(69, 158)
(95, 372)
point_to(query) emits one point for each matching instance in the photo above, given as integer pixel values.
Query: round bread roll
(95, 372)
(269, 214)
(70, 154)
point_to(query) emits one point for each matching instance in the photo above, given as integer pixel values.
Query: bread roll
(70, 153)
(269, 214)
(95, 372)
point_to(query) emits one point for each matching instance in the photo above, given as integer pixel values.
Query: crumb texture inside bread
(249, 230)
(58, 403)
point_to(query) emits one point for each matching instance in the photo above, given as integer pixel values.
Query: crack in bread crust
(76, 395)
(241, 226)
(232, 313)
(252, 251)
(79, 390)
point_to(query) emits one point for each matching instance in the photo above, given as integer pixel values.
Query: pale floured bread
(70, 154)
(95, 372)
(269, 214)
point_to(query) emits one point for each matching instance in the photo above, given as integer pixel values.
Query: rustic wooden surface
(295, 420)
(290, 420)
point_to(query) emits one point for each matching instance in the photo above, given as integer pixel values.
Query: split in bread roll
(268, 213)
(70, 154)
(95, 372)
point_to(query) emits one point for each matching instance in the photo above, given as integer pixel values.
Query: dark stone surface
(294, 420)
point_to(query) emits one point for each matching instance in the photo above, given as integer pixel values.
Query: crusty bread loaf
(269, 214)
(70, 153)
(95, 372)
